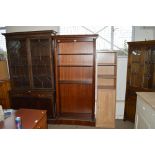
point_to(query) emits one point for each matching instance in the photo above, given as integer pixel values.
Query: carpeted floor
(120, 124)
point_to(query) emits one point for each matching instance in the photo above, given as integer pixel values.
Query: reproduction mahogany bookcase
(31, 67)
(106, 89)
(75, 77)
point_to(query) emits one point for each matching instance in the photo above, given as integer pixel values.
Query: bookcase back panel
(76, 47)
(106, 82)
(106, 58)
(76, 73)
(76, 60)
(106, 70)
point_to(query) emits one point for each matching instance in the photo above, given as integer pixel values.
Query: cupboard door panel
(76, 98)
(106, 108)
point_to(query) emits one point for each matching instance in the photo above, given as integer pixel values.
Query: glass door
(18, 62)
(41, 57)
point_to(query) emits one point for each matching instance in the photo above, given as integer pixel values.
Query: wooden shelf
(107, 76)
(75, 53)
(106, 87)
(75, 66)
(75, 81)
(106, 64)
(106, 52)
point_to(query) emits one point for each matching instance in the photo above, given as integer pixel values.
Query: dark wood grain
(31, 66)
(140, 74)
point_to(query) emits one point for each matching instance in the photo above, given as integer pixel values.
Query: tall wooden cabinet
(106, 89)
(75, 77)
(140, 74)
(31, 67)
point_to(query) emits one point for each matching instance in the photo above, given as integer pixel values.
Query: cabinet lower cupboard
(106, 89)
(75, 77)
(105, 116)
(145, 110)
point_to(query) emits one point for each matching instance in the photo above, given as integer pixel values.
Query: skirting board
(120, 104)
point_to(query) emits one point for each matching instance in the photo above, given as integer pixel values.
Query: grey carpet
(120, 124)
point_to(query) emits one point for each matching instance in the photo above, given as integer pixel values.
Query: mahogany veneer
(75, 78)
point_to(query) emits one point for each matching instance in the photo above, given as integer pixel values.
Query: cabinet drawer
(42, 124)
(31, 102)
(29, 93)
(145, 110)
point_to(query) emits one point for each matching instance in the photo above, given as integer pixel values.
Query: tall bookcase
(31, 68)
(106, 89)
(75, 77)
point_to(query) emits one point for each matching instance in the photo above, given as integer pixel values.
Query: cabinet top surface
(77, 36)
(148, 97)
(30, 33)
(149, 42)
(30, 118)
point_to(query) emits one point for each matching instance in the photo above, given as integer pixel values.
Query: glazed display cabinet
(31, 67)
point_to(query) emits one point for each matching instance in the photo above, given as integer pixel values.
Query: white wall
(30, 28)
(121, 85)
(142, 33)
